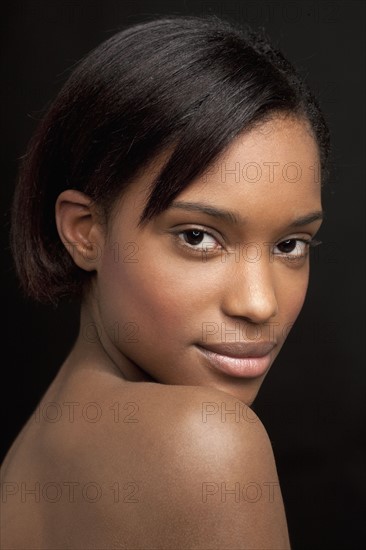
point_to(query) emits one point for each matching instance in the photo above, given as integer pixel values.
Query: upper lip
(241, 350)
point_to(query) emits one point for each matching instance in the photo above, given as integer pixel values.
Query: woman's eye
(197, 239)
(293, 248)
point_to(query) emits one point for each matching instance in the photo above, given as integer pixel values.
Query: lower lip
(249, 367)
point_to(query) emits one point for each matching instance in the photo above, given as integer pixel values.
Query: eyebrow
(234, 217)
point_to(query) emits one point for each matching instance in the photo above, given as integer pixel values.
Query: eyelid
(196, 251)
(310, 242)
(213, 233)
(204, 229)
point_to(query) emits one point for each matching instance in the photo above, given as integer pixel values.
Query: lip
(241, 360)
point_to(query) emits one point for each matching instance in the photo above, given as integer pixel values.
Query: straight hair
(191, 84)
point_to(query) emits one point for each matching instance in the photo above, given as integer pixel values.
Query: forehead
(278, 139)
(274, 166)
(276, 163)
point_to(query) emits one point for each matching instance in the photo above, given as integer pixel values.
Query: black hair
(189, 83)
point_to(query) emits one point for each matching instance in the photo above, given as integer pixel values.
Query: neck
(95, 350)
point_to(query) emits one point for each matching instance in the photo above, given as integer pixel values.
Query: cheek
(153, 292)
(292, 294)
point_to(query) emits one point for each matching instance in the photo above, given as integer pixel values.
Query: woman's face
(161, 298)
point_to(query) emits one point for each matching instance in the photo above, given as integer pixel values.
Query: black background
(313, 400)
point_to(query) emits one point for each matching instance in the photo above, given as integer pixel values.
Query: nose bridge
(250, 291)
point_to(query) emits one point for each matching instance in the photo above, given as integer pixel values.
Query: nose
(250, 292)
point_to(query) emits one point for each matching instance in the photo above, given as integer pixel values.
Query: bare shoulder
(204, 475)
(157, 466)
(199, 414)
(191, 416)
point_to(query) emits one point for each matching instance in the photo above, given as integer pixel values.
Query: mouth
(250, 360)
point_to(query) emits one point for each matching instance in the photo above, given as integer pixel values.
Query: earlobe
(79, 228)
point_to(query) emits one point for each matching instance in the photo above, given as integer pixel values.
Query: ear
(79, 228)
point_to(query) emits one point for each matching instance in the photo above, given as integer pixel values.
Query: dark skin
(171, 443)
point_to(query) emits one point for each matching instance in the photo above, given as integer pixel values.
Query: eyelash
(310, 243)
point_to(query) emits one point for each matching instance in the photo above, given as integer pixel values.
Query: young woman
(175, 185)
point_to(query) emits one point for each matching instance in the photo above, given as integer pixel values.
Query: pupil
(287, 246)
(197, 236)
